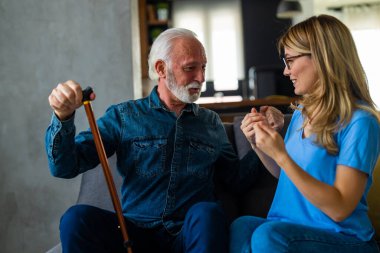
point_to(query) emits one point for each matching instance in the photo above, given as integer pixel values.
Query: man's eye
(188, 68)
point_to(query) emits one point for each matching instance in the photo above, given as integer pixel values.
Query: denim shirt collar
(155, 103)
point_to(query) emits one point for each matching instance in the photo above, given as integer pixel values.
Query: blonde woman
(326, 162)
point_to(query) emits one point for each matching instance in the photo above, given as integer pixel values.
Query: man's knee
(206, 210)
(206, 218)
(75, 218)
(205, 228)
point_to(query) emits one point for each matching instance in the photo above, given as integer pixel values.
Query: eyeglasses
(289, 60)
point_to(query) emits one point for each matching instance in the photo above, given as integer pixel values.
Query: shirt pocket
(149, 156)
(201, 158)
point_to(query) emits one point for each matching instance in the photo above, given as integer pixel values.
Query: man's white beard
(182, 92)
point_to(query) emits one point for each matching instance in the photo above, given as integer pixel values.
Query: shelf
(158, 22)
(155, 17)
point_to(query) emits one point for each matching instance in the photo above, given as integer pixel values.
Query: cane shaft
(107, 172)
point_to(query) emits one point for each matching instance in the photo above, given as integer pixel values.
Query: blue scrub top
(359, 147)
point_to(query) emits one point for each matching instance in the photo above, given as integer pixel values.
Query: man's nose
(200, 76)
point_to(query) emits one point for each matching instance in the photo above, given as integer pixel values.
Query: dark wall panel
(261, 32)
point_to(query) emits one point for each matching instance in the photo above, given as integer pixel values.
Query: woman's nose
(286, 71)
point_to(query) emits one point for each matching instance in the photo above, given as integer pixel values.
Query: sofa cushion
(258, 199)
(94, 190)
(241, 143)
(373, 201)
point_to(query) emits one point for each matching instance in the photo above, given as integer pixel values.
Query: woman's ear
(160, 67)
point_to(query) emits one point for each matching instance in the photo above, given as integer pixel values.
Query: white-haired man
(167, 149)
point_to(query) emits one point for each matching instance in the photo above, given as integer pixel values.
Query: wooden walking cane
(105, 165)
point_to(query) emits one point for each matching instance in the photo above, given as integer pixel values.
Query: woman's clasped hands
(261, 130)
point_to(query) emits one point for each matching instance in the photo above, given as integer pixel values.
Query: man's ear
(160, 67)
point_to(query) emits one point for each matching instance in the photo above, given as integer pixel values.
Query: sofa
(256, 201)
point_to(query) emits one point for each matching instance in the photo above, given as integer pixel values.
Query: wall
(308, 10)
(44, 42)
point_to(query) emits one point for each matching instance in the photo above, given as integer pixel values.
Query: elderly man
(167, 150)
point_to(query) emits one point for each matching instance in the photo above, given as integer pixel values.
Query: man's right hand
(65, 99)
(274, 117)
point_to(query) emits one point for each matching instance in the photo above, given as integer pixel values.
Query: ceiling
(338, 3)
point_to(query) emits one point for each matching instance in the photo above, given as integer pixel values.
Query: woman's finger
(267, 129)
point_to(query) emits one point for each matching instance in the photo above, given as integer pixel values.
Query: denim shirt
(167, 162)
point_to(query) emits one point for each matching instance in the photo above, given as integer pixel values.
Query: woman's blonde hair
(342, 84)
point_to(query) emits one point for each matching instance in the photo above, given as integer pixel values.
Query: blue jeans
(90, 229)
(254, 234)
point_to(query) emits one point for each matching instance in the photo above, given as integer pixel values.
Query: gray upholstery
(239, 139)
(94, 190)
(56, 249)
(256, 201)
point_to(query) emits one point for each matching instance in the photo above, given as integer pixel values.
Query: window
(367, 43)
(364, 23)
(363, 19)
(219, 27)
